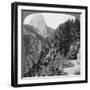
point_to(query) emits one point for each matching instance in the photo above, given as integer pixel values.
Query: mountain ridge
(38, 22)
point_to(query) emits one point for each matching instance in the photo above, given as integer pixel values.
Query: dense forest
(53, 55)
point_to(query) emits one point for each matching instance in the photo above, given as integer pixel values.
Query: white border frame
(82, 48)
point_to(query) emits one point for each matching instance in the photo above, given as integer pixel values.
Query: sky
(53, 20)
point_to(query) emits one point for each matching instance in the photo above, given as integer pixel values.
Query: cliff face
(49, 52)
(46, 23)
(39, 23)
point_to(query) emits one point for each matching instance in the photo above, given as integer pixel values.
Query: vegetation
(49, 57)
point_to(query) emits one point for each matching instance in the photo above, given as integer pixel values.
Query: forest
(55, 55)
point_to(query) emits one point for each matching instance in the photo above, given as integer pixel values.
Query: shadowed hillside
(56, 54)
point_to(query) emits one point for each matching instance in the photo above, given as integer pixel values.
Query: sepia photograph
(49, 44)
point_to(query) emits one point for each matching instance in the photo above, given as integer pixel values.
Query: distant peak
(41, 21)
(37, 20)
(50, 19)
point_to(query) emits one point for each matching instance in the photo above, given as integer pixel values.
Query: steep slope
(38, 22)
(50, 31)
(30, 29)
